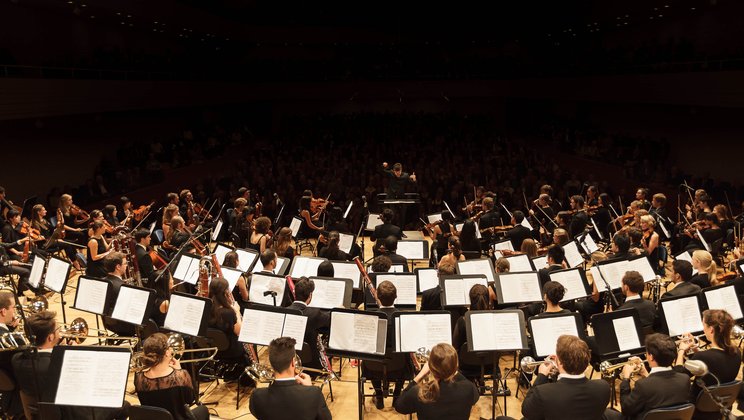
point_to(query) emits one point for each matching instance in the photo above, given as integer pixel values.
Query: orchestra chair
(303, 243)
(677, 412)
(478, 367)
(306, 357)
(146, 412)
(395, 366)
(471, 255)
(7, 386)
(726, 393)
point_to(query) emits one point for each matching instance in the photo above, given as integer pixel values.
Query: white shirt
(284, 379)
(659, 369)
(633, 297)
(569, 376)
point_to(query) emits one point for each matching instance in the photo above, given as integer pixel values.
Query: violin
(478, 215)
(141, 211)
(81, 216)
(32, 233)
(201, 212)
(494, 229)
(726, 276)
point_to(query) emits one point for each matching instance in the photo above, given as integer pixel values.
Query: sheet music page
(217, 229)
(724, 298)
(495, 331)
(434, 217)
(396, 268)
(353, 332)
(37, 270)
(246, 259)
(626, 333)
(427, 279)
(260, 327)
(413, 250)
(685, 256)
(91, 295)
(373, 221)
(526, 223)
(405, 285)
(231, 275)
(540, 262)
(93, 378)
(305, 266)
(184, 315)
(481, 266)
(424, 330)
(220, 251)
(345, 241)
(187, 269)
(130, 305)
(596, 278)
(613, 273)
(346, 270)
(589, 245)
(260, 283)
(573, 256)
(643, 266)
(520, 287)
(682, 315)
(572, 281)
(503, 245)
(56, 274)
(545, 332)
(454, 290)
(295, 225)
(294, 326)
(520, 263)
(328, 294)
(458, 226)
(702, 239)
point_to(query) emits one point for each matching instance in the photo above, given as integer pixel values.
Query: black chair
(472, 255)
(478, 366)
(726, 394)
(395, 367)
(146, 412)
(306, 358)
(677, 412)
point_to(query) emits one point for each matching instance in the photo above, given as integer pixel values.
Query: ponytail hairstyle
(722, 323)
(706, 264)
(154, 349)
(454, 244)
(443, 368)
(479, 299)
(333, 238)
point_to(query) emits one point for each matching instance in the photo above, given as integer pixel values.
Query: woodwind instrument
(204, 272)
(367, 280)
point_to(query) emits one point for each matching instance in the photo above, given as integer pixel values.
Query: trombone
(78, 331)
(178, 346)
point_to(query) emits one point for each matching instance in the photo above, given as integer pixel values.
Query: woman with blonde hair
(650, 241)
(439, 391)
(702, 261)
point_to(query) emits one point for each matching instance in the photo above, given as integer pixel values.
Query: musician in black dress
(98, 248)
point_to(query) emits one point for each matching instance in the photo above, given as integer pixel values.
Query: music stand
(405, 285)
(56, 274)
(187, 269)
(262, 323)
(572, 254)
(455, 289)
(539, 262)
(295, 226)
(508, 337)
(520, 262)
(373, 220)
(425, 329)
(517, 288)
(483, 266)
(264, 288)
(331, 292)
(37, 270)
(133, 305)
(220, 250)
(546, 329)
(413, 250)
(232, 276)
(303, 266)
(282, 265)
(612, 271)
(426, 278)
(505, 244)
(188, 314)
(587, 244)
(574, 281)
(346, 242)
(433, 218)
(641, 264)
(723, 297)
(681, 314)
(347, 270)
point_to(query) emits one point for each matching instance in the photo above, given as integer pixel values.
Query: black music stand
(56, 275)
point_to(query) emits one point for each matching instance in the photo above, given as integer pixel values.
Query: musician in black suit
(8, 321)
(391, 245)
(144, 261)
(632, 288)
(572, 396)
(681, 275)
(397, 180)
(290, 396)
(115, 265)
(661, 387)
(387, 228)
(318, 320)
(490, 218)
(431, 300)
(555, 258)
(579, 219)
(518, 233)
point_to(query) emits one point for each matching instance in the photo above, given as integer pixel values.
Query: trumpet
(695, 340)
(608, 369)
(178, 345)
(529, 365)
(737, 332)
(420, 357)
(78, 331)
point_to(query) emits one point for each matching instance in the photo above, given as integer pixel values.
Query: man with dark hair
(661, 387)
(386, 294)
(391, 246)
(381, 264)
(518, 233)
(115, 265)
(572, 396)
(144, 261)
(490, 218)
(632, 287)
(579, 219)
(7, 311)
(431, 300)
(642, 196)
(382, 231)
(12, 236)
(681, 275)
(325, 269)
(290, 396)
(318, 320)
(397, 180)
(620, 246)
(555, 258)
(268, 261)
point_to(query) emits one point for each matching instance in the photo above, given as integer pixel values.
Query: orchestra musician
(226, 317)
(161, 282)
(98, 249)
(454, 252)
(709, 230)
(237, 221)
(115, 265)
(641, 195)
(650, 241)
(331, 251)
(480, 300)
(390, 246)
(109, 214)
(382, 231)
(282, 244)
(11, 233)
(397, 180)
(431, 300)
(4, 207)
(240, 292)
(74, 216)
(553, 293)
(169, 212)
(441, 233)
(579, 219)
(592, 196)
(681, 275)
(318, 320)
(260, 236)
(518, 233)
(290, 396)
(632, 288)
(12, 265)
(469, 241)
(309, 228)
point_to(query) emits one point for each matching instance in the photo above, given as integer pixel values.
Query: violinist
(543, 212)
(170, 211)
(308, 228)
(658, 210)
(642, 196)
(12, 234)
(282, 244)
(173, 199)
(469, 240)
(98, 248)
(709, 230)
(490, 218)
(74, 215)
(330, 251)
(518, 233)
(126, 208)
(240, 292)
(178, 235)
(185, 201)
(724, 219)
(13, 266)
(453, 253)
(260, 236)
(650, 241)
(109, 214)
(692, 210)
(560, 237)
(477, 204)
(602, 217)
(442, 232)
(579, 219)
(592, 196)
(636, 236)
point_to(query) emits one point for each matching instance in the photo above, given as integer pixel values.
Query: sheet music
(427, 279)
(305, 266)
(724, 298)
(397, 268)
(91, 295)
(702, 239)
(184, 315)
(540, 262)
(56, 274)
(545, 332)
(588, 244)
(260, 327)
(354, 332)
(217, 229)
(412, 250)
(613, 273)
(246, 259)
(295, 226)
(682, 315)
(373, 220)
(232, 276)
(37, 270)
(405, 285)
(643, 266)
(685, 256)
(422, 330)
(502, 245)
(294, 326)
(572, 281)
(346, 270)
(131, 305)
(348, 209)
(520, 287)
(260, 283)
(526, 223)
(432, 218)
(345, 241)
(481, 266)
(519, 263)
(220, 250)
(626, 333)
(328, 294)
(496, 331)
(573, 256)
(93, 378)
(187, 269)
(456, 290)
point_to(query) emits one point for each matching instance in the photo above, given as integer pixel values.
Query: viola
(34, 234)
(81, 216)
(158, 262)
(141, 211)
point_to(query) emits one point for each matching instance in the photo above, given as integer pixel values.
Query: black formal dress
(566, 399)
(173, 392)
(724, 366)
(288, 400)
(455, 401)
(646, 310)
(95, 268)
(657, 390)
(578, 224)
